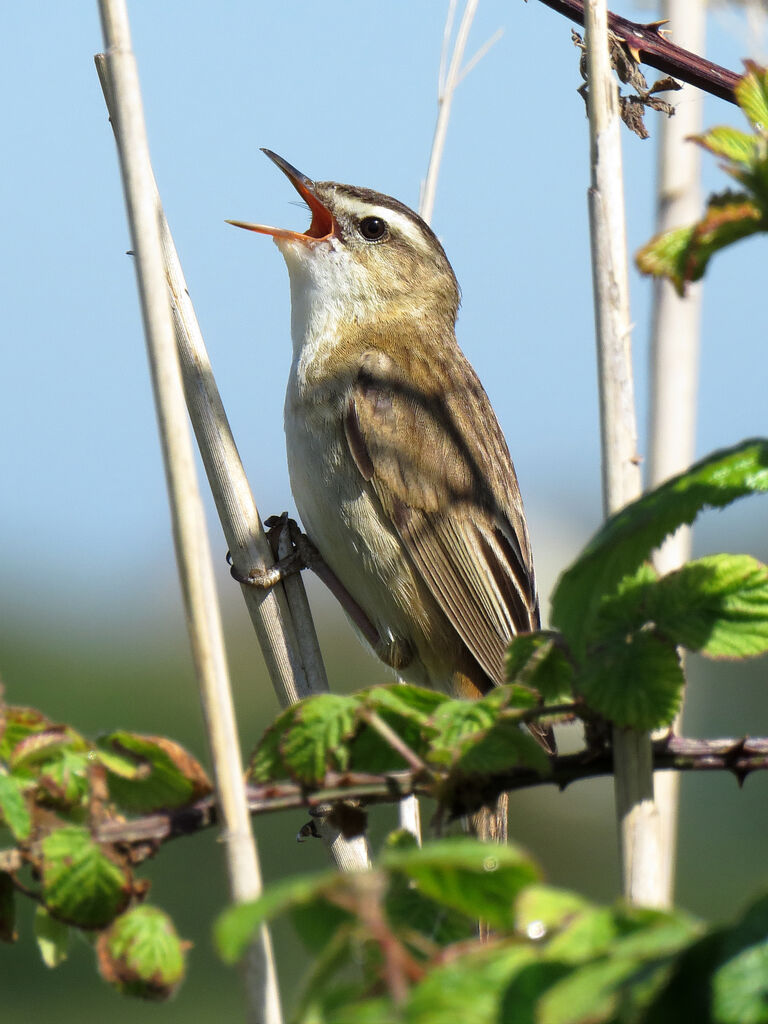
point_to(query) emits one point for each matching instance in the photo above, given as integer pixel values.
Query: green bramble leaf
(318, 739)
(141, 954)
(477, 879)
(38, 749)
(81, 885)
(236, 927)
(18, 723)
(505, 745)
(740, 987)
(627, 539)
(682, 254)
(717, 605)
(165, 776)
(471, 988)
(752, 96)
(409, 910)
(721, 978)
(307, 740)
(14, 811)
(666, 255)
(407, 710)
(455, 721)
(635, 682)
(64, 782)
(52, 938)
(540, 661)
(729, 143)
(542, 910)
(266, 762)
(412, 703)
(621, 959)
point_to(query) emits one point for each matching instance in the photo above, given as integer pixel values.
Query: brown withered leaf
(632, 106)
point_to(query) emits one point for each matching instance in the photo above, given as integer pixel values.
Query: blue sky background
(344, 91)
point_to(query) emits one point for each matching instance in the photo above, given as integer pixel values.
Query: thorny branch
(649, 46)
(456, 796)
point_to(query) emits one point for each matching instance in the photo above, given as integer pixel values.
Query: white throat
(324, 279)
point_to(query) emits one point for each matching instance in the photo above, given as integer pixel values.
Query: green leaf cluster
(393, 727)
(553, 956)
(56, 789)
(621, 625)
(682, 254)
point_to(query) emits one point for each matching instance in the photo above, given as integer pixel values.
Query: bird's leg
(393, 651)
(265, 579)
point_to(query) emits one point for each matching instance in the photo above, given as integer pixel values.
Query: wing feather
(439, 465)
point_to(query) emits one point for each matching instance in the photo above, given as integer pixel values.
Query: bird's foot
(265, 579)
(292, 549)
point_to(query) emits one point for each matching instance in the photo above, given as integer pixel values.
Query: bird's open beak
(323, 224)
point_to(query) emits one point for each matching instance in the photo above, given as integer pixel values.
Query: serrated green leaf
(167, 775)
(266, 762)
(52, 938)
(317, 922)
(636, 932)
(729, 143)
(457, 720)
(682, 255)
(14, 811)
(39, 748)
(629, 609)
(346, 1004)
(236, 927)
(20, 722)
(635, 682)
(81, 885)
(7, 908)
(365, 1011)
(318, 739)
(717, 605)
(752, 96)
(477, 879)
(627, 538)
(410, 702)
(323, 993)
(589, 933)
(587, 995)
(539, 660)
(542, 909)
(621, 956)
(470, 988)
(407, 710)
(503, 746)
(665, 255)
(141, 955)
(410, 910)
(64, 781)
(740, 987)
(739, 981)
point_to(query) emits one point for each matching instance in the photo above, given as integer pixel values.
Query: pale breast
(343, 517)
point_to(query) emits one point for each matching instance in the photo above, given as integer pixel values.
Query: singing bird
(398, 466)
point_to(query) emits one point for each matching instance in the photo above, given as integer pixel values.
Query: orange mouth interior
(322, 225)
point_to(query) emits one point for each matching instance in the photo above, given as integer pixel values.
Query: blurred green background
(91, 630)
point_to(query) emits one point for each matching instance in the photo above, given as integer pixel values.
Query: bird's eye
(372, 228)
